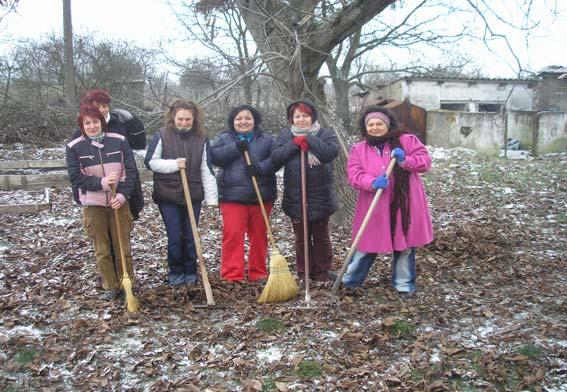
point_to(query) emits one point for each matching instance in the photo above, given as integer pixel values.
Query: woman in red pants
(241, 212)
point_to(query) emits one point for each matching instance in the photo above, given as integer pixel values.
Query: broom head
(281, 285)
(131, 301)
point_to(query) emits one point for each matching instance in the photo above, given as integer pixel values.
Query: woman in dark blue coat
(321, 147)
(241, 212)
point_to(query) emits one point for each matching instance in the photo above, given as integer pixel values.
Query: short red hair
(92, 112)
(300, 106)
(97, 95)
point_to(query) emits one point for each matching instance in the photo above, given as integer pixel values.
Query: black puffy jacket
(321, 198)
(233, 182)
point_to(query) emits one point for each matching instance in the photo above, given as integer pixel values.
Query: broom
(131, 301)
(281, 285)
(197, 240)
(362, 228)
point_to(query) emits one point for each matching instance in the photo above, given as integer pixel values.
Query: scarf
(247, 137)
(401, 195)
(98, 138)
(315, 127)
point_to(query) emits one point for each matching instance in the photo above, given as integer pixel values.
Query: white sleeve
(209, 182)
(159, 165)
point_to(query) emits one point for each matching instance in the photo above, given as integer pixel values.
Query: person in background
(400, 221)
(321, 147)
(124, 123)
(241, 212)
(98, 160)
(181, 144)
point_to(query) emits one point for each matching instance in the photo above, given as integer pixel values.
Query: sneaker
(176, 280)
(406, 294)
(110, 295)
(190, 280)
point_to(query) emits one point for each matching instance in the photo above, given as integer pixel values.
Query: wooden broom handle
(259, 196)
(120, 239)
(197, 240)
(362, 228)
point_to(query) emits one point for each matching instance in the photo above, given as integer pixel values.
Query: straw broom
(281, 285)
(131, 301)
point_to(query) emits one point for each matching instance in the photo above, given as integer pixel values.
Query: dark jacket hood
(307, 102)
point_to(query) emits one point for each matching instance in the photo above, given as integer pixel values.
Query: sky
(146, 22)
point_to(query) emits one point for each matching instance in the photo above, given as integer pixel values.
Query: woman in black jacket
(321, 147)
(241, 212)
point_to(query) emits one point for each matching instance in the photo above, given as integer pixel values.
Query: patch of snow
(507, 190)
(487, 329)
(435, 356)
(21, 330)
(515, 206)
(269, 355)
(124, 345)
(515, 154)
(329, 334)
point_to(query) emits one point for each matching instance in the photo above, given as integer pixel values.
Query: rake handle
(362, 228)
(259, 196)
(196, 238)
(305, 225)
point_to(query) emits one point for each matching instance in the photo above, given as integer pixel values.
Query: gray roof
(553, 69)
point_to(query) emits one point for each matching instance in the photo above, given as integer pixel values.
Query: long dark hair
(401, 194)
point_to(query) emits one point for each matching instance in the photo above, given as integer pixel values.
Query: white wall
(429, 94)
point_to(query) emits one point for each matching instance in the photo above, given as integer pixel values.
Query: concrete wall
(540, 133)
(551, 134)
(477, 131)
(521, 126)
(551, 94)
(429, 94)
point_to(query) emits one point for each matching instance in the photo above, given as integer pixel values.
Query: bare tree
(222, 30)
(70, 83)
(6, 7)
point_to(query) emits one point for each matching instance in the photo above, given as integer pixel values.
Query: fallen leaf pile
(490, 312)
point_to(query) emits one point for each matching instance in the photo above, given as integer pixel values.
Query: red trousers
(239, 219)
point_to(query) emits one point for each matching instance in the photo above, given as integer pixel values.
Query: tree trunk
(342, 104)
(70, 82)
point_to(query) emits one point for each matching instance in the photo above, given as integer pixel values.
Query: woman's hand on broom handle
(181, 163)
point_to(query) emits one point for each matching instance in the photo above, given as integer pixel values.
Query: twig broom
(281, 285)
(132, 302)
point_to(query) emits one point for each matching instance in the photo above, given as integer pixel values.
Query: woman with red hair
(321, 148)
(97, 161)
(124, 123)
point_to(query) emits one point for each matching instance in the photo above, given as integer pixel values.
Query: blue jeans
(403, 270)
(181, 251)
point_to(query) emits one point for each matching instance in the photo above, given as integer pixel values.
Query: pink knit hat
(379, 115)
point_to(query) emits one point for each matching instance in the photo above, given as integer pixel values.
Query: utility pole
(70, 82)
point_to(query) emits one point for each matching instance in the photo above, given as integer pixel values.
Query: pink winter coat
(364, 164)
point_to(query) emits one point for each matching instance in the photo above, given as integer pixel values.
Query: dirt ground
(490, 313)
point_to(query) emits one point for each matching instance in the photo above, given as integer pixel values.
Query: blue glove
(399, 154)
(381, 182)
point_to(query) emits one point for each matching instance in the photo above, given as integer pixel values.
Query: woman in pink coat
(400, 221)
